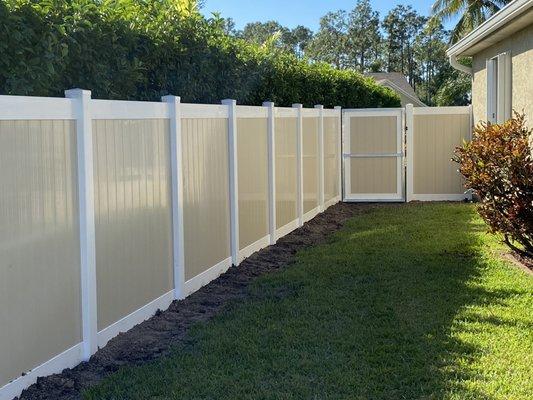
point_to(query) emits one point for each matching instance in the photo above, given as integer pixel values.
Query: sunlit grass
(406, 302)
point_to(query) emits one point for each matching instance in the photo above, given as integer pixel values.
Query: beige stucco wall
(520, 45)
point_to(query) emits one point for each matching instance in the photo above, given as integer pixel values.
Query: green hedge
(144, 49)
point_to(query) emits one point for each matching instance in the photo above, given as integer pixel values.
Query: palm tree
(471, 13)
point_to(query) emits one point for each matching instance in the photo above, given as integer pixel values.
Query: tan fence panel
(373, 175)
(310, 163)
(39, 236)
(331, 158)
(252, 159)
(373, 155)
(286, 171)
(435, 136)
(205, 193)
(373, 134)
(132, 215)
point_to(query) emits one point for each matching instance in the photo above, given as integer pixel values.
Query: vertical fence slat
(84, 137)
(320, 108)
(271, 135)
(299, 163)
(176, 165)
(233, 179)
(409, 127)
(339, 152)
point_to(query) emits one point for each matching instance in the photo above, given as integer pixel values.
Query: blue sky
(297, 12)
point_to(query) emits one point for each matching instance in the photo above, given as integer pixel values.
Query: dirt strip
(155, 337)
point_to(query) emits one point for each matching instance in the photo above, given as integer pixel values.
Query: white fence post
(320, 108)
(233, 179)
(84, 137)
(299, 163)
(339, 149)
(271, 171)
(409, 126)
(178, 248)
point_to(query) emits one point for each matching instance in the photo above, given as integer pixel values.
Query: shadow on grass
(373, 314)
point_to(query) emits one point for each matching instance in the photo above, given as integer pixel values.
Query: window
(499, 88)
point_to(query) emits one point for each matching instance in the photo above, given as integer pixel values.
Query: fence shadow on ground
(373, 314)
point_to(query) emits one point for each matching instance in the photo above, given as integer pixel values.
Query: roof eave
(498, 20)
(399, 89)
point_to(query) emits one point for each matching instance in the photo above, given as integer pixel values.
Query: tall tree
(228, 25)
(330, 43)
(430, 55)
(364, 36)
(277, 35)
(471, 13)
(401, 25)
(299, 38)
(261, 32)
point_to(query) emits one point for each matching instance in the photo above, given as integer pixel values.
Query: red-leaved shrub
(498, 165)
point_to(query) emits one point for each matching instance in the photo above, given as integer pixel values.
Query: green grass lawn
(406, 302)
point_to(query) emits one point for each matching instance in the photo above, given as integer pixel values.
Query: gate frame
(400, 195)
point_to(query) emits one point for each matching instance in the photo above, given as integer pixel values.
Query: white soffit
(515, 16)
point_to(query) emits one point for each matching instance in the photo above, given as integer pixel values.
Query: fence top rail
(364, 110)
(189, 110)
(123, 109)
(329, 112)
(441, 110)
(59, 108)
(310, 112)
(32, 107)
(285, 112)
(374, 112)
(252, 112)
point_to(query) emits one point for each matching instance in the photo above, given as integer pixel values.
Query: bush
(144, 49)
(498, 165)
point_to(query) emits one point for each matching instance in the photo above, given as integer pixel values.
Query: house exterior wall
(520, 45)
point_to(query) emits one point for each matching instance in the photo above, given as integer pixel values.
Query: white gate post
(409, 126)
(176, 154)
(339, 150)
(299, 163)
(271, 171)
(320, 108)
(233, 179)
(84, 137)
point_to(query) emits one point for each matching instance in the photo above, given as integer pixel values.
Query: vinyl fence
(110, 210)
(432, 135)
(397, 154)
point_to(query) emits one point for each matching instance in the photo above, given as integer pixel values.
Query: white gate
(373, 143)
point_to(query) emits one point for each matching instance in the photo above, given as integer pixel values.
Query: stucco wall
(520, 45)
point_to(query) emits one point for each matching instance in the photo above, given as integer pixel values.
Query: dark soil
(522, 261)
(155, 337)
